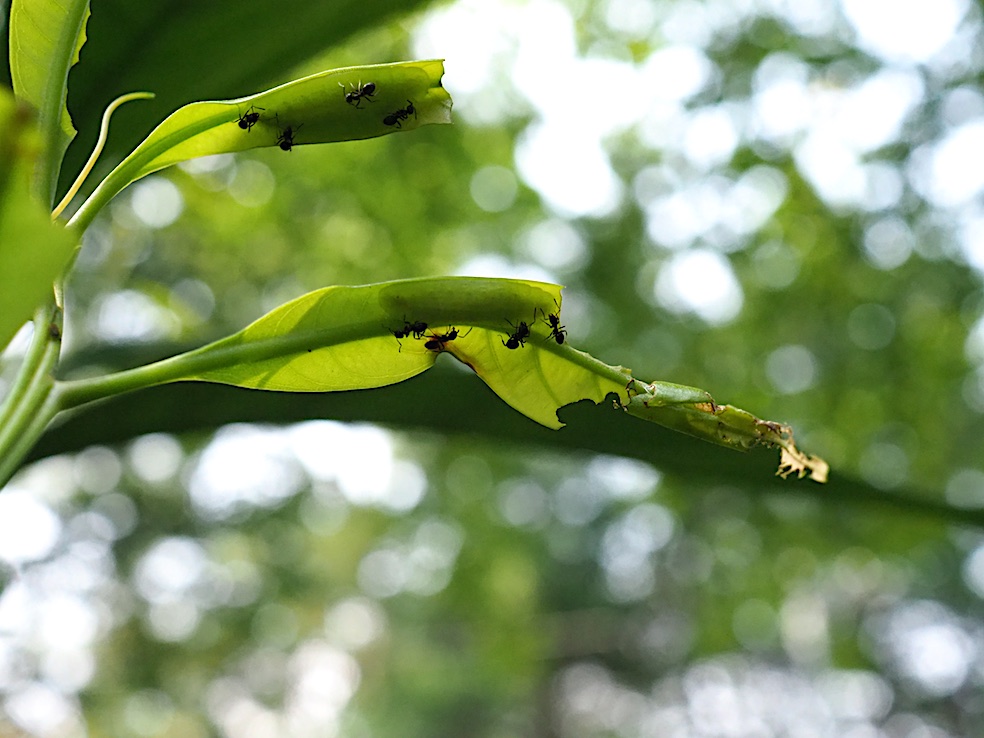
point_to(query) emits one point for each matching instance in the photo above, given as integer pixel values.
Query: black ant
(415, 329)
(250, 118)
(286, 138)
(438, 341)
(360, 93)
(519, 336)
(393, 119)
(557, 331)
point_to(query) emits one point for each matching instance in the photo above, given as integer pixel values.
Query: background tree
(779, 204)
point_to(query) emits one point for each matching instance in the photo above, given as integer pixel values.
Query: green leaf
(45, 39)
(33, 249)
(348, 338)
(343, 338)
(306, 111)
(541, 377)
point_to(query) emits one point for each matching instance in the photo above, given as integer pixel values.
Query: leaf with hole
(347, 338)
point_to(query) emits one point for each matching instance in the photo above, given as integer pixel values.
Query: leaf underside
(316, 109)
(343, 338)
(211, 50)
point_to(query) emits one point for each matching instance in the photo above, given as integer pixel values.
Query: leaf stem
(30, 426)
(32, 359)
(176, 368)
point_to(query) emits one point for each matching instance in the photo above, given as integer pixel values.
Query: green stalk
(83, 391)
(25, 372)
(37, 398)
(21, 418)
(30, 425)
(79, 392)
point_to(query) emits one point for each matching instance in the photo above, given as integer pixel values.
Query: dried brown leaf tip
(791, 459)
(794, 461)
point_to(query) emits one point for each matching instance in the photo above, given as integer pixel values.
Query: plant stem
(30, 426)
(24, 373)
(21, 418)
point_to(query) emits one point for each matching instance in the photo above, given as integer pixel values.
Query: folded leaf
(693, 411)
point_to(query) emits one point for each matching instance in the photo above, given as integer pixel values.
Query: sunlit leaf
(541, 377)
(45, 39)
(343, 338)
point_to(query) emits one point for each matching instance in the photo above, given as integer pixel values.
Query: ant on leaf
(250, 118)
(557, 331)
(360, 93)
(285, 139)
(520, 333)
(393, 119)
(439, 341)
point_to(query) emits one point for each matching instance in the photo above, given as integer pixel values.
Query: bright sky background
(522, 56)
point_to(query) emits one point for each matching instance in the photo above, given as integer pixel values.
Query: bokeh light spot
(904, 30)
(888, 242)
(871, 326)
(156, 201)
(494, 188)
(29, 529)
(702, 282)
(253, 184)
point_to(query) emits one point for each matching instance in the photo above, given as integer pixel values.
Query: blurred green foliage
(328, 579)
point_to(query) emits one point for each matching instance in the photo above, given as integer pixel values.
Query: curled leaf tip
(693, 411)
